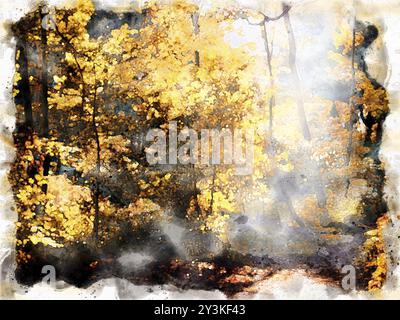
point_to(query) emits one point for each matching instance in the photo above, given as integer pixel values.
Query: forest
(90, 84)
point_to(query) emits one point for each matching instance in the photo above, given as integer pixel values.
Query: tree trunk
(353, 117)
(44, 106)
(292, 64)
(271, 78)
(318, 184)
(98, 159)
(212, 191)
(24, 87)
(196, 30)
(351, 102)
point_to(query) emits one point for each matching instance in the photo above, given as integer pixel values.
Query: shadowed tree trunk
(353, 117)
(24, 88)
(98, 159)
(196, 29)
(44, 105)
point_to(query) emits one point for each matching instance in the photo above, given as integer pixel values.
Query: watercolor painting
(200, 149)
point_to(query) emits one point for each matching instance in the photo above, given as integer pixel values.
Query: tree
(82, 176)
